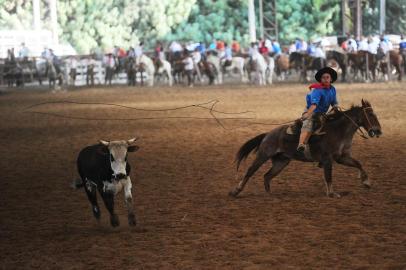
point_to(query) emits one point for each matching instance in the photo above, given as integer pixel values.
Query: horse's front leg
(328, 178)
(351, 162)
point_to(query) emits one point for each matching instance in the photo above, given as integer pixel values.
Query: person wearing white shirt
(176, 49)
(352, 45)
(363, 44)
(188, 62)
(303, 46)
(23, 53)
(253, 51)
(197, 57)
(383, 45)
(292, 48)
(138, 51)
(109, 63)
(319, 53)
(372, 47)
(131, 53)
(268, 45)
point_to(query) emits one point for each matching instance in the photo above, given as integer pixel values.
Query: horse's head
(117, 151)
(369, 120)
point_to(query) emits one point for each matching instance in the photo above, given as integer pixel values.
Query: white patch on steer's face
(118, 155)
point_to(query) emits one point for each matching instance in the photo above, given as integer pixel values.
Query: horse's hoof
(114, 221)
(267, 187)
(334, 195)
(131, 220)
(366, 184)
(234, 193)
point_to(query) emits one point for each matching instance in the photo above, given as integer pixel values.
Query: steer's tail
(77, 184)
(248, 147)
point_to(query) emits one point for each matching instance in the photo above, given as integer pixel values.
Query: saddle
(319, 121)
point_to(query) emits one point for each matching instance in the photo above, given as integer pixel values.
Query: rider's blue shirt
(323, 98)
(276, 48)
(402, 44)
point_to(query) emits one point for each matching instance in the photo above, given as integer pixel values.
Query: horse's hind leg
(351, 162)
(251, 170)
(278, 164)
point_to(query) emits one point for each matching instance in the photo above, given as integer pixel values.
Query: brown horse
(357, 62)
(335, 145)
(305, 62)
(396, 61)
(282, 65)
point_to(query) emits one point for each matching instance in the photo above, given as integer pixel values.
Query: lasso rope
(200, 105)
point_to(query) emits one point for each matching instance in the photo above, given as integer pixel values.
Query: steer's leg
(90, 189)
(129, 200)
(108, 199)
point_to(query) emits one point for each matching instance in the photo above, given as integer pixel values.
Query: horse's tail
(248, 147)
(77, 184)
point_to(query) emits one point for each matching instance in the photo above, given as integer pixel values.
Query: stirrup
(301, 147)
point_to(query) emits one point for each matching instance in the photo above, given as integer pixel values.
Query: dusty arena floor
(182, 176)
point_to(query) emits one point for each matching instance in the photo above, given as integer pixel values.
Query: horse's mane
(335, 115)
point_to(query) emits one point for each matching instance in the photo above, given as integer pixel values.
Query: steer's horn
(130, 141)
(106, 143)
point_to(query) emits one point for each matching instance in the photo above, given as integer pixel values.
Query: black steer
(104, 167)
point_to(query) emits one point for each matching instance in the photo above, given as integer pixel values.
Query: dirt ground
(182, 175)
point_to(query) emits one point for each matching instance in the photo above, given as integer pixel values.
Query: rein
(360, 132)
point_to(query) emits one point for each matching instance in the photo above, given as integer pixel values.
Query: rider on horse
(318, 102)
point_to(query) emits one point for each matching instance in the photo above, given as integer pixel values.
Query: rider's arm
(309, 111)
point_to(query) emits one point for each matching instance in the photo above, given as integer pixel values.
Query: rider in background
(188, 62)
(228, 56)
(23, 52)
(402, 50)
(176, 50)
(352, 46)
(159, 54)
(318, 101)
(197, 57)
(138, 51)
(202, 50)
(276, 47)
(363, 44)
(235, 46)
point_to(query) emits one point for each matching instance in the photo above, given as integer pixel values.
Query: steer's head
(117, 151)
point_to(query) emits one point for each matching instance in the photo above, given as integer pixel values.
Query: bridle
(360, 131)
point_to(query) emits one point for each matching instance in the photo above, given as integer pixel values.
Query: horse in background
(304, 62)
(53, 72)
(145, 64)
(395, 61)
(236, 66)
(337, 60)
(131, 70)
(262, 70)
(363, 63)
(164, 69)
(281, 66)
